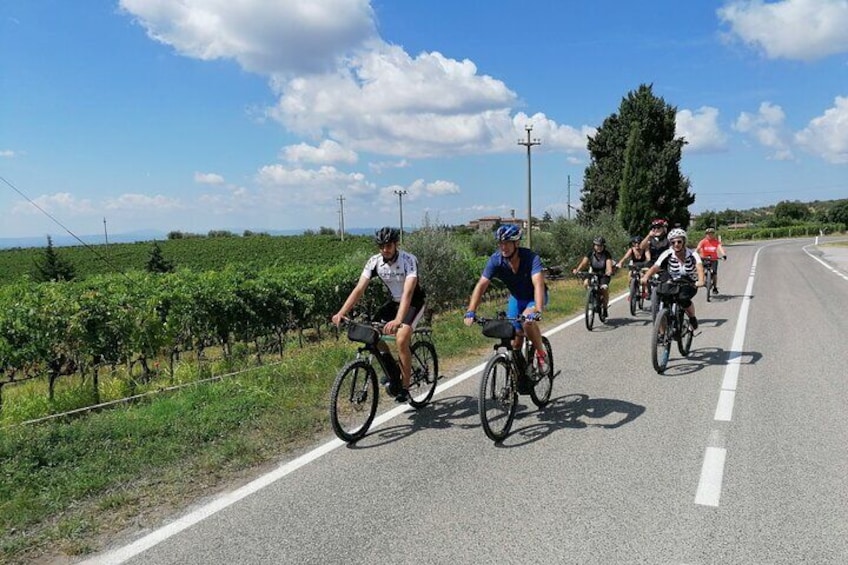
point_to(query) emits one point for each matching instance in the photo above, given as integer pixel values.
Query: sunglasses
(676, 241)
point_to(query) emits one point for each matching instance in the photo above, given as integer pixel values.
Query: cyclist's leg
(714, 267)
(531, 329)
(604, 282)
(403, 338)
(685, 299)
(514, 308)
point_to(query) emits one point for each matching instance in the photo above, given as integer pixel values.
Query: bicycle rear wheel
(590, 310)
(543, 383)
(655, 303)
(661, 341)
(353, 400)
(498, 398)
(425, 373)
(634, 295)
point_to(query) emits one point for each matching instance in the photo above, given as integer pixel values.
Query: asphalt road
(737, 454)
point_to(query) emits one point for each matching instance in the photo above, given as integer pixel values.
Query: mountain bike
(508, 373)
(594, 303)
(708, 276)
(355, 393)
(671, 324)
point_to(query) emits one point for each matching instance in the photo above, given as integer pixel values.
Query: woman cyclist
(710, 248)
(599, 261)
(639, 258)
(679, 261)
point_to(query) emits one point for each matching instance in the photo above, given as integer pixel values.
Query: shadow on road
(575, 411)
(704, 357)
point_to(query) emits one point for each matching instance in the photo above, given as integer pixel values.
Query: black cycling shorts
(388, 311)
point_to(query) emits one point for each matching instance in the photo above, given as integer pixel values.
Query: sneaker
(606, 312)
(715, 290)
(403, 396)
(693, 321)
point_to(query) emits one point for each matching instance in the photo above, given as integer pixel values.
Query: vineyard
(196, 254)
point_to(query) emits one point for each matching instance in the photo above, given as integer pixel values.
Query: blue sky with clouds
(259, 114)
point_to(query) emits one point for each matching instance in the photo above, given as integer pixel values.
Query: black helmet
(386, 235)
(635, 239)
(599, 240)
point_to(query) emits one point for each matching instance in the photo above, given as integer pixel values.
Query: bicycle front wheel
(498, 398)
(684, 333)
(543, 383)
(661, 341)
(709, 284)
(590, 311)
(353, 400)
(425, 373)
(634, 295)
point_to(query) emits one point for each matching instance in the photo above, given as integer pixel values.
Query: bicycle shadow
(574, 411)
(701, 358)
(615, 323)
(440, 414)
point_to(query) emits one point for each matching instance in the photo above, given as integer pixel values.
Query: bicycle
(355, 393)
(594, 304)
(508, 373)
(653, 283)
(670, 324)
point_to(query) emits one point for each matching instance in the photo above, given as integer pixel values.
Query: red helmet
(659, 223)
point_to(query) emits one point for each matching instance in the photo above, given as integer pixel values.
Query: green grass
(67, 485)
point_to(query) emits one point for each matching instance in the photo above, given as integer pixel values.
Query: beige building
(490, 223)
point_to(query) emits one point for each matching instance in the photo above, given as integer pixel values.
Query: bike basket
(363, 334)
(668, 288)
(500, 329)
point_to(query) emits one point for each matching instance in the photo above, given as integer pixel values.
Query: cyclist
(399, 272)
(520, 269)
(657, 240)
(599, 261)
(680, 262)
(711, 247)
(638, 258)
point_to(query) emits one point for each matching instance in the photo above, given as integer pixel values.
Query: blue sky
(259, 114)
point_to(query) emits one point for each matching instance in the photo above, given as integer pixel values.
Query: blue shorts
(515, 306)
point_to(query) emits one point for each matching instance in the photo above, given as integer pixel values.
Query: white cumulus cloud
(208, 178)
(701, 131)
(141, 202)
(767, 127)
(263, 36)
(789, 29)
(327, 152)
(827, 135)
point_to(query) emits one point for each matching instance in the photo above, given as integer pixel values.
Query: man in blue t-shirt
(520, 269)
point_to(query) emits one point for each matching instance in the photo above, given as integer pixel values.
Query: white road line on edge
(712, 474)
(127, 552)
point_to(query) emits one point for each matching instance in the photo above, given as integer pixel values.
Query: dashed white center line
(712, 474)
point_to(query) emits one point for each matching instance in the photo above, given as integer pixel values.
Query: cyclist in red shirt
(711, 247)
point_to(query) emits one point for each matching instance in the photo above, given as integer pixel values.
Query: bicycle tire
(661, 341)
(634, 295)
(655, 303)
(353, 400)
(540, 392)
(498, 399)
(684, 335)
(590, 311)
(425, 373)
(709, 285)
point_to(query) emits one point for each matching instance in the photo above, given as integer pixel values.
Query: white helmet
(677, 233)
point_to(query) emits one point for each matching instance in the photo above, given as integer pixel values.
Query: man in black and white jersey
(680, 262)
(399, 272)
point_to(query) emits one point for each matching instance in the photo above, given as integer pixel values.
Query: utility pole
(568, 203)
(106, 235)
(528, 144)
(341, 216)
(400, 194)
